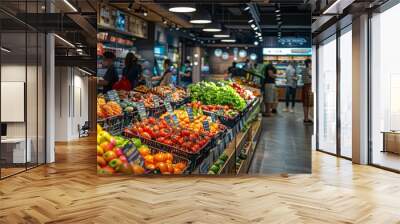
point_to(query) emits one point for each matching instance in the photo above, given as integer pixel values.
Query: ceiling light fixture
(251, 20)
(228, 40)
(278, 8)
(256, 43)
(70, 5)
(221, 35)
(213, 27)
(145, 13)
(64, 40)
(246, 8)
(252, 26)
(5, 49)
(200, 17)
(182, 8)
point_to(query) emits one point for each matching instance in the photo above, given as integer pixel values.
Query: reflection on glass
(385, 83)
(327, 96)
(346, 94)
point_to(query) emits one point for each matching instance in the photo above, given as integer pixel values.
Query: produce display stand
(228, 152)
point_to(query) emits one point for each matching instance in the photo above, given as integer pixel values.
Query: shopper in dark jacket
(111, 76)
(132, 70)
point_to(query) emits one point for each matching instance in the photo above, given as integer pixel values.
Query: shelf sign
(175, 119)
(156, 101)
(206, 125)
(131, 152)
(168, 119)
(213, 118)
(168, 106)
(112, 95)
(168, 97)
(189, 111)
(142, 110)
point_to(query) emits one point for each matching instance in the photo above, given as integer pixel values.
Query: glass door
(327, 128)
(346, 92)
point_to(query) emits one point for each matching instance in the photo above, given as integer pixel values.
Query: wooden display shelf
(254, 133)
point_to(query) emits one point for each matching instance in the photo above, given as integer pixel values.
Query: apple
(106, 170)
(123, 159)
(101, 161)
(109, 155)
(125, 168)
(118, 151)
(100, 151)
(113, 142)
(115, 163)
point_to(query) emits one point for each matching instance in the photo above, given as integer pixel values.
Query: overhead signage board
(288, 51)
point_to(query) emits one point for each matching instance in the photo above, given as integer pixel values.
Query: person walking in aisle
(269, 89)
(186, 74)
(291, 85)
(132, 70)
(307, 79)
(166, 78)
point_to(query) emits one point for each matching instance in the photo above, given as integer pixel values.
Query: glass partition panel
(346, 93)
(385, 84)
(327, 96)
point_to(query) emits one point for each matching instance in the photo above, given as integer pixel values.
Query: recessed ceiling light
(246, 8)
(182, 9)
(252, 20)
(252, 26)
(256, 43)
(277, 10)
(200, 21)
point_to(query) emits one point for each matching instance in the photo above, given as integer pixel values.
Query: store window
(346, 92)
(385, 89)
(327, 96)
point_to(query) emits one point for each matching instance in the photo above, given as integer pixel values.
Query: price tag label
(189, 111)
(156, 101)
(168, 97)
(175, 119)
(213, 118)
(168, 119)
(206, 125)
(172, 86)
(142, 110)
(112, 95)
(168, 106)
(130, 152)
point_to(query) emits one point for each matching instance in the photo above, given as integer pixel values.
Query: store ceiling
(295, 16)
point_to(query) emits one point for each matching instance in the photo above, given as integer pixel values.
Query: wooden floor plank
(69, 191)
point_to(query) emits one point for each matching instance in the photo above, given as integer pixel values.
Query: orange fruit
(177, 170)
(150, 166)
(149, 159)
(180, 166)
(144, 151)
(159, 157)
(170, 168)
(137, 170)
(162, 167)
(169, 156)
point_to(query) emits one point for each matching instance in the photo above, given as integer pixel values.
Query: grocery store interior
(291, 102)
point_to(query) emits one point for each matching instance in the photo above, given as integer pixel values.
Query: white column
(360, 90)
(50, 101)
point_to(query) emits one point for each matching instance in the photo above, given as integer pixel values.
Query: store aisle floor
(285, 144)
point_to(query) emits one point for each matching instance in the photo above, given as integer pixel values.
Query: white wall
(71, 102)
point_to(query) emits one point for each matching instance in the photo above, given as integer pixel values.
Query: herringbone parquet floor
(70, 192)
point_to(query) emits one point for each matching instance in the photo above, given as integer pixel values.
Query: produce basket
(180, 103)
(129, 118)
(156, 111)
(113, 125)
(227, 121)
(176, 159)
(194, 158)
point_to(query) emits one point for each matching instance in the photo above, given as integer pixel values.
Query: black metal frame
(44, 80)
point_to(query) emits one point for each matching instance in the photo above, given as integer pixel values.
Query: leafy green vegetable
(219, 93)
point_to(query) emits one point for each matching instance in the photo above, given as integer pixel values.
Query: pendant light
(182, 8)
(213, 27)
(200, 17)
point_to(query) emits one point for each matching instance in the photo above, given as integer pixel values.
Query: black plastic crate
(194, 158)
(129, 118)
(229, 122)
(113, 125)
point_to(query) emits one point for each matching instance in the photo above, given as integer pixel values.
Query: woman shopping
(167, 76)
